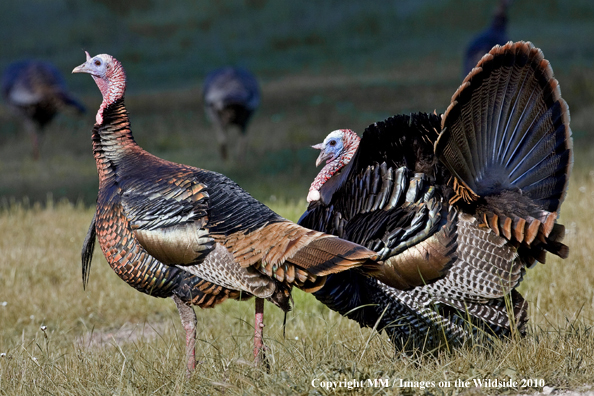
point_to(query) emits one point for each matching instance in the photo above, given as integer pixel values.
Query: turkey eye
(97, 62)
(333, 143)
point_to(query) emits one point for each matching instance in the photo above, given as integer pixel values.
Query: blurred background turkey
(320, 66)
(231, 95)
(35, 91)
(495, 33)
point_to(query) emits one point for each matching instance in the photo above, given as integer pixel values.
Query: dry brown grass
(40, 283)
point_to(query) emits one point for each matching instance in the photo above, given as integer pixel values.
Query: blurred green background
(323, 65)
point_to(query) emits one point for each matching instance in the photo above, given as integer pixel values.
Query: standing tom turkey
(172, 230)
(494, 35)
(35, 91)
(231, 95)
(478, 189)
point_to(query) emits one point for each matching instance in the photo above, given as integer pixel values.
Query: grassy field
(340, 64)
(89, 346)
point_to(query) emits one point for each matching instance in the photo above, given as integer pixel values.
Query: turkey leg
(189, 321)
(259, 349)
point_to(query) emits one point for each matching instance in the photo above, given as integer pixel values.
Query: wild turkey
(488, 38)
(482, 195)
(231, 95)
(35, 90)
(171, 230)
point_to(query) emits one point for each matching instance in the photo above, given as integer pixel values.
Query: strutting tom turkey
(478, 189)
(231, 96)
(172, 230)
(495, 34)
(35, 91)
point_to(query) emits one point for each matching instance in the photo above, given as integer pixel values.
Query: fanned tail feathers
(506, 138)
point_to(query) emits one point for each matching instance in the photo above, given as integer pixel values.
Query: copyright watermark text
(402, 383)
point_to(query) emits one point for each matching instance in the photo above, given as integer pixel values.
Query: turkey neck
(112, 139)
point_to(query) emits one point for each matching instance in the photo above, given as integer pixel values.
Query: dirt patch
(128, 333)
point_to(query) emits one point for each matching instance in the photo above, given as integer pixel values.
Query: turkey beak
(322, 156)
(84, 67)
(81, 69)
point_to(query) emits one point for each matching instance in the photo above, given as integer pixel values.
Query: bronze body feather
(171, 230)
